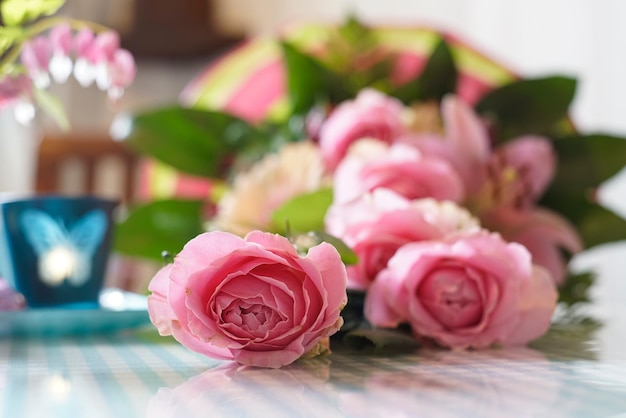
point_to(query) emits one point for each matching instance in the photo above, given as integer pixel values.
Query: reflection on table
(574, 371)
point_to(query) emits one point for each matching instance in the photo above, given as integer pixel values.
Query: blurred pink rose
(370, 115)
(253, 300)
(372, 164)
(544, 233)
(467, 291)
(519, 172)
(377, 224)
(465, 143)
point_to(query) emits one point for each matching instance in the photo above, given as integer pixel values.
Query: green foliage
(348, 256)
(309, 82)
(199, 142)
(576, 287)
(159, 226)
(17, 12)
(438, 78)
(303, 213)
(380, 341)
(532, 106)
(585, 162)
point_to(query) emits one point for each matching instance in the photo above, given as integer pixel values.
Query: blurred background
(173, 41)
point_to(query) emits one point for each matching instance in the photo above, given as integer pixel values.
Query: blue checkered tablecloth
(136, 375)
(574, 371)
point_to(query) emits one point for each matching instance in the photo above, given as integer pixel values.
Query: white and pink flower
(378, 223)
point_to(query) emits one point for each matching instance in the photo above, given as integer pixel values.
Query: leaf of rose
(380, 340)
(532, 106)
(596, 224)
(165, 225)
(438, 78)
(309, 82)
(348, 257)
(199, 142)
(303, 213)
(575, 288)
(586, 161)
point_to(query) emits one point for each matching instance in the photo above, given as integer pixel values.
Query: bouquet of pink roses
(445, 202)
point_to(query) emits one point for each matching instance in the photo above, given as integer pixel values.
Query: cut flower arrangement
(390, 184)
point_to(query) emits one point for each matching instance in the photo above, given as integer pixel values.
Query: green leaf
(17, 12)
(356, 33)
(309, 82)
(303, 213)
(380, 340)
(576, 287)
(198, 142)
(587, 161)
(164, 225)
(53, 107)
(304, 242)
(438, 78)
(348, 256)
(596, 224)
(532, 106)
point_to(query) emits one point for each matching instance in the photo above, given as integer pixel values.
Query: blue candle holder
(54, 250)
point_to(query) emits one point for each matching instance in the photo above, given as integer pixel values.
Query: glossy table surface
(574, 371)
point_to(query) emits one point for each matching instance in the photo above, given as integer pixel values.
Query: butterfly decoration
(64, 254)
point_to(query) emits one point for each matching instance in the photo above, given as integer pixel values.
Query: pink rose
(370, 115)
(543, 232)
(377, 224)
(253, 300)
(534, 161)
(468, 291)
(465, 143)
(371, 164)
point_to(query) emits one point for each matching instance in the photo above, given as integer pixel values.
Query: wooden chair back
(87, 164)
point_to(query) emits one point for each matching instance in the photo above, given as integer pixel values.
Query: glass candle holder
(54, 250)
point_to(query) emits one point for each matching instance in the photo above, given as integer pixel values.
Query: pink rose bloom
(370, 115)
(377, 224)
(519, 173)
(544, 233)
(254, 300)
(534, 162)
(465, 143)
(372, 164)
(468, 291)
